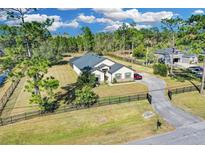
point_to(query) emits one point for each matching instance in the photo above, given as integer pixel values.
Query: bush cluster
(160, 69)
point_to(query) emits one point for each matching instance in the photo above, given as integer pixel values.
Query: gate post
(149, 98)
(170, 94)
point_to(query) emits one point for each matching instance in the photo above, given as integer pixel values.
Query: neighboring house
(165, 55)
(103, 68)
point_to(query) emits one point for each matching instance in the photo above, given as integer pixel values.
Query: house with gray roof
(104, 69)
(165, 55)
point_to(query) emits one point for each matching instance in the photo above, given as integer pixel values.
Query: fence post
(119, 99)
(149, 98)
(170, 94)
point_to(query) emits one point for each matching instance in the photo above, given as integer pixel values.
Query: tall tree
(172, 25)
(192, 35)
(88, 38)
(18, 14)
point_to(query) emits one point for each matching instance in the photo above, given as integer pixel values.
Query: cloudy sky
(71, 20)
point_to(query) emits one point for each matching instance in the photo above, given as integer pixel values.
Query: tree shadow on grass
(186, 76)
(68, 95)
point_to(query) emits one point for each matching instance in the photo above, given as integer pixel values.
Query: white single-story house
(165, 55)
(103, 68)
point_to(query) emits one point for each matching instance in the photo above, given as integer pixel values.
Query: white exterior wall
(123, 70)
(77, 70)
(100, 74)
(106, 62)
(109, 77)
(190, 60)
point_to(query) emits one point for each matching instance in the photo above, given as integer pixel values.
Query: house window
(118, 76)
(128, 75)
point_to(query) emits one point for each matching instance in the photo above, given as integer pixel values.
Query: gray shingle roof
(88, 60)
(115, 67)
(102, 65)
(167, 51)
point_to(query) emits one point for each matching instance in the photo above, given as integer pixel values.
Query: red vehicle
(137, 76)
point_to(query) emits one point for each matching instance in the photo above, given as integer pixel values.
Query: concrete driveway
(163, 106)
(189, 128)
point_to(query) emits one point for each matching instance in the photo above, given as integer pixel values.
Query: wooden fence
(127, 59)
(100, 102)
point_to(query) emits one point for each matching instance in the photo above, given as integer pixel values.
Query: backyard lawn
(136, 67)
(19, 101)
(4, 87)
(120, 89)
(111, 124)
(192, 102)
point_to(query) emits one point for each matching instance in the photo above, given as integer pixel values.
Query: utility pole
(202, 81)
(172, 54)
(147, 56)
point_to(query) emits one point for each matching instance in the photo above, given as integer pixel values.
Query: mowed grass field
(192, 102)
(120, 89)
(112, 124)
(4, 87)
(136, 67)
(19, 101)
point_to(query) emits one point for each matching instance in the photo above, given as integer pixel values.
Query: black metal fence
(100, 102)
(182, 90)
(7, 94)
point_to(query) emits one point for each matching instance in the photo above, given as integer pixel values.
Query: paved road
(189, 135)
(189, 128)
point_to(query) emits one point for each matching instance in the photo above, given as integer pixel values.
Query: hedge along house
(104, 69)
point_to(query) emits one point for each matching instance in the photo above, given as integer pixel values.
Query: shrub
(139, 51)
(86, 79)
(201, 58)
(160, 69)
(114, 80)
(85, 97)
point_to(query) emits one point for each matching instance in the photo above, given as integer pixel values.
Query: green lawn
(5, 87)
(136, 67)
(112, 124)
(192, 102)
(19, 101)
(120, 89)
